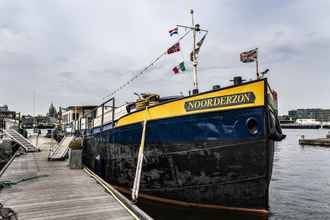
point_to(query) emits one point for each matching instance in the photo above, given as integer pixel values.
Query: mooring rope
(9, 183)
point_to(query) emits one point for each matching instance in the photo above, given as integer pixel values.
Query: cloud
(76, 52)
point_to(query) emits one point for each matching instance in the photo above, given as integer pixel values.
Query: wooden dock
(300, 126)
(316, 142)
(53, 191)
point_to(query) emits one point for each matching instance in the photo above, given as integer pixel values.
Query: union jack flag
(249, 56)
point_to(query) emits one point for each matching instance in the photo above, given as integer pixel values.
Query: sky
(75, 52)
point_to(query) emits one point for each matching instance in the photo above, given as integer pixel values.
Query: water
(300, 186)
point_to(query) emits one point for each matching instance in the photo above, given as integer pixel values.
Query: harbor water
(300, 186)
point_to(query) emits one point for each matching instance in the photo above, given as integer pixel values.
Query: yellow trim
(177, 108)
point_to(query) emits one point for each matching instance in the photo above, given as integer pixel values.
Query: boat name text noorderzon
(220, 101)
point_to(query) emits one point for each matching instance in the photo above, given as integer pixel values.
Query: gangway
(21, 140)
(61, 149)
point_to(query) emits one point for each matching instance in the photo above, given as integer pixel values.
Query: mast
(194, 51)
(193, 56)
(194, 28)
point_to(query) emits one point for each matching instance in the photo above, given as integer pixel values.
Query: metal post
(194, 51)
(102, 118)
(19, 120)
(257, 65)
(34, 111)
(113, 112)
(37, 138)
(75, 119)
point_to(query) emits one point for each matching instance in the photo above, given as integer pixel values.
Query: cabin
(72, 117)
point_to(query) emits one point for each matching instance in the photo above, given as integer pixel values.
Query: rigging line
(143, 71)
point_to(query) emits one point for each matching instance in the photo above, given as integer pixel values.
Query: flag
(249, 56)
(179, 68)
(199, 44)
(173, 31)
(174, 48)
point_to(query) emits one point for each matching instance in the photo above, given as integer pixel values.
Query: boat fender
(277, 134)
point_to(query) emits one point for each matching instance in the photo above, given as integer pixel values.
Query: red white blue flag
(173, 31)
(249, 56)
(174, 48)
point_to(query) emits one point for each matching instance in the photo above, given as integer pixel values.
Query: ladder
(21, 140)
(61, 149)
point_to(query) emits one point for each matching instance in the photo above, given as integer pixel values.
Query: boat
(303, 123)
(207, 150)
(326, 125)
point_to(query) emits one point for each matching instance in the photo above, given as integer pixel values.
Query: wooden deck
(316, 142)
(63, 193)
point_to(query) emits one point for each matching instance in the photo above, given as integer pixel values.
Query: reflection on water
(193, 214)
(300, 186)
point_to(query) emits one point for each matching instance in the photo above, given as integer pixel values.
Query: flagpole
(194, 52)
(257, 65)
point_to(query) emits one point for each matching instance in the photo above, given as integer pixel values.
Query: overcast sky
(77, 51)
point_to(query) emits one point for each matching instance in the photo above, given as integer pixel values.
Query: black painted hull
(208, 160)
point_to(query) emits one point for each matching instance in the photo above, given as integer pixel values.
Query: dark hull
(208, 160)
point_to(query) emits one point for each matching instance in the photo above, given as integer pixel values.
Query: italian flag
(179, 68)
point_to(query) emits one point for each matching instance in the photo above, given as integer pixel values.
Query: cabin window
(75, 116)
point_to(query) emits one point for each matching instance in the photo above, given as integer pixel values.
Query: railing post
(113, 112)
(102, 118)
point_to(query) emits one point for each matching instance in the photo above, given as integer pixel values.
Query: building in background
(52, 112)
(27, 121)
(310, 113)
(7, 118)
(72, 114)
(4, 108)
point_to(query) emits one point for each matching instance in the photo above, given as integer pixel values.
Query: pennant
(249, 56)
(173, 31)
(199, 44)
(179, 68)
(174, 48)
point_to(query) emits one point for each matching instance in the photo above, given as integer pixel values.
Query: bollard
(75, 158)
(75, 154)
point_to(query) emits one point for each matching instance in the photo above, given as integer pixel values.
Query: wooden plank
(61, 149)
(318, 142)
(64, 194)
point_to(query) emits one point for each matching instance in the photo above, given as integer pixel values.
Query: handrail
(102, 115)
(113, 112)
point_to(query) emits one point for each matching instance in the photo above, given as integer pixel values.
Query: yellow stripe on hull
(242, 96)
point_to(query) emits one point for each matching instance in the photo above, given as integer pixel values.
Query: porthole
(252, 126)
